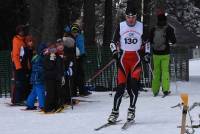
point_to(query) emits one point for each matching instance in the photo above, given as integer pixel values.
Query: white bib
(130, 37)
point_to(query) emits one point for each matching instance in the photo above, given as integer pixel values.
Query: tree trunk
(64, 16)
(89, 22)
(50, 21)
(36, 18)
(108, 23)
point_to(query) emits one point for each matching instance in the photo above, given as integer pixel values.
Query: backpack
(159, 39)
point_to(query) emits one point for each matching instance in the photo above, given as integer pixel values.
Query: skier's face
(131, 20)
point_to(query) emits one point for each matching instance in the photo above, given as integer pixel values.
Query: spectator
(161, 36)
(61, 92)
(19, 74)
(80, 54)
(37, 80)
(26, 64)
(50, 78)
(69, 57)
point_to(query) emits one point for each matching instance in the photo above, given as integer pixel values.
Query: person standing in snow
(161, 37)
(17, 55)
(50, 79)
(79, 74)
(128, 36)
(37, 80)
(69, 59)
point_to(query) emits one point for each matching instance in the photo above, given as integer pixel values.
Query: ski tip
(184, 98)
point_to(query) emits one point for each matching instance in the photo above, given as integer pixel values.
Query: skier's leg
(133, 92)
(165, 73)
(121, 79)
(118, 96)
(156, 74)
(123, 68)
(133, 89)
(117, 101)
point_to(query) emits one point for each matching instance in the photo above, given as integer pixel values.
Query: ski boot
(131, 114)
(166, 93)
(113, 116)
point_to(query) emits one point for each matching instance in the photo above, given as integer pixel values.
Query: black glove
(115, 53)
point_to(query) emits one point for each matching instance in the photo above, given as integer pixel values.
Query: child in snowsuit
(61, 92)
(37, 80)
(53, 76)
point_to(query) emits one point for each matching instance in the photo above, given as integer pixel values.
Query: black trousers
(68, 89)
(79, 76)
(61, 95)
(19, 89)
(132, 89)
(51, 100)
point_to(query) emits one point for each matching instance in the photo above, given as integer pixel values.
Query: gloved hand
(113, 48)
(69, 72)
(147, 58)
(63, 81)
(71, 64)
(147, 47)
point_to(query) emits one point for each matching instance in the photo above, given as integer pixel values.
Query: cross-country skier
(129, 37)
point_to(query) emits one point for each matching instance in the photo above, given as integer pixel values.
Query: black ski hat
(20, 28)
(161, 20)
(131, 10)
(162, 17)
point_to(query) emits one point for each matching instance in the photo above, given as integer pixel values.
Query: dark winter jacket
(60, 67)
(170, 38)
(26, 59)
(53, 69)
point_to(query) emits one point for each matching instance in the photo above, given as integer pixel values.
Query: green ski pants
(160, 73)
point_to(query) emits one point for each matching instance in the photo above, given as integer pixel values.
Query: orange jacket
(18, 42)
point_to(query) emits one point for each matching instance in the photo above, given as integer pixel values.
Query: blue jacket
(80, 43)
(37, 74)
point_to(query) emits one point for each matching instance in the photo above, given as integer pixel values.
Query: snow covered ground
(153, 114)
(194, 69)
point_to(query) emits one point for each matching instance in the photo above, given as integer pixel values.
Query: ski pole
(150, 69)
(101, 70)
(113, 78)
(175, 74)
(70, 92)
(143, 75)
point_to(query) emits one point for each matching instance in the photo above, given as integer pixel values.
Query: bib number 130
(130, 40)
